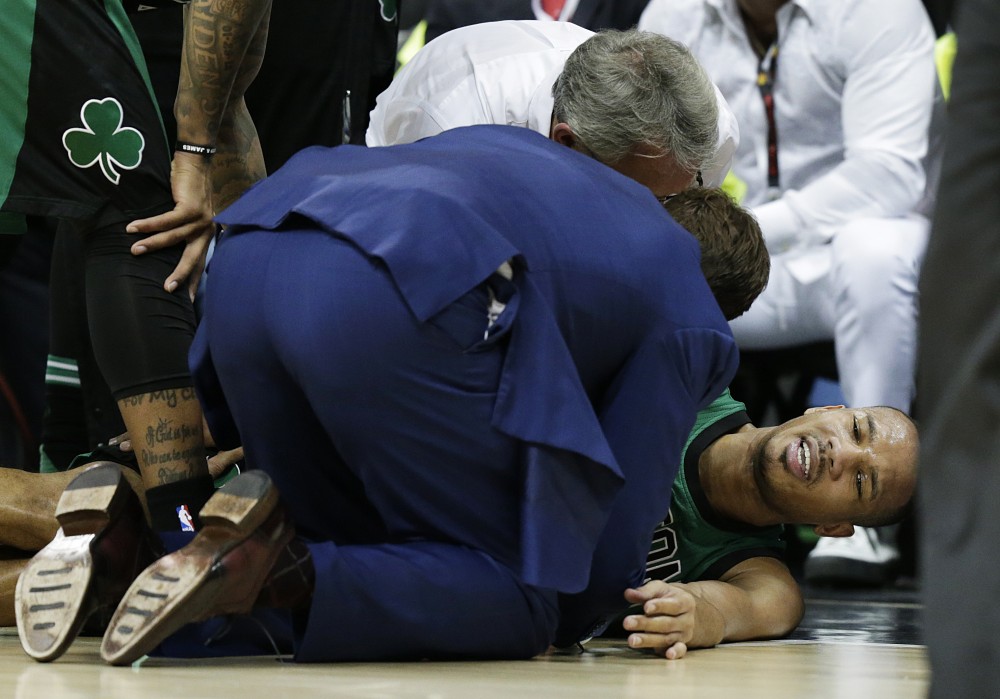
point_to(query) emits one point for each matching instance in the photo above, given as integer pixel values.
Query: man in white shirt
(634, 100)
(445, 15)
(834, 100)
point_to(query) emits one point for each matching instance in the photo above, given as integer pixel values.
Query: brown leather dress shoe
(244, 530)
(103, 542)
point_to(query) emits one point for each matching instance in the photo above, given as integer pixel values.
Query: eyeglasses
(667, 197)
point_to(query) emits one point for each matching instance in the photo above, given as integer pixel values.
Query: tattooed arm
(223, 48)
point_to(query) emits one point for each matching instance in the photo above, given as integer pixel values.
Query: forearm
(755, 599)
(239, 161)
(726, 613)
(221, 38)
(863, 186)
(747, 606)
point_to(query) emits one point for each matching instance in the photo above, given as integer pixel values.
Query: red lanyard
(766, 71)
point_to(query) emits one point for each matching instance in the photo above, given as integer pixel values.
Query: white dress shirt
(495, 73)
(853, 95)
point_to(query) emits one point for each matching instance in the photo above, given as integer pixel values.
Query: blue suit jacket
(615, 340)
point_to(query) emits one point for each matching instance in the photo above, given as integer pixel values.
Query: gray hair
(623, 89)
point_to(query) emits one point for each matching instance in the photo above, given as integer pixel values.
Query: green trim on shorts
(15, 69)
(62, 370)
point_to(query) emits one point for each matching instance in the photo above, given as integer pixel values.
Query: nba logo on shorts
(185, 518)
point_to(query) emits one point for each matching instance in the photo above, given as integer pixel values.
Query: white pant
(864, 299)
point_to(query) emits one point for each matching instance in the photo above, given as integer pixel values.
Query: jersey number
(662, 563)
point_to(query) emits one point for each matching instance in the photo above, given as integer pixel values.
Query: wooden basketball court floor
(851, 645)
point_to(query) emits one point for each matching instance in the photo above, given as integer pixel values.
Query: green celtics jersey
(693, 542)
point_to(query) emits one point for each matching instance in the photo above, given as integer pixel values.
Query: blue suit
(468, 486)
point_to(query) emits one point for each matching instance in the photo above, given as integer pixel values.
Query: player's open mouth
(799, 457)
(805, 457)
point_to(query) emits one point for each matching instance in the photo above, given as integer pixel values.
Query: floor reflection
(862, 616)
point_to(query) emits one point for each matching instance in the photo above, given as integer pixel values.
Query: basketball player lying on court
(715, 562)
(715, 570)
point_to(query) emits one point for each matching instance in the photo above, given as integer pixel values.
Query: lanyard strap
(766, 71)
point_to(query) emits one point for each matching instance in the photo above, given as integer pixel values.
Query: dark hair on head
(734, 258)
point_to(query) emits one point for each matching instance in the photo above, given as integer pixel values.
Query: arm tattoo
(218, 36)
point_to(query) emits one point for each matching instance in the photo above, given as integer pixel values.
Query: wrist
(710, 623)
(206, 151)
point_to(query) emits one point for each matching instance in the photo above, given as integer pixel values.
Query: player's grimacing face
(838, 465)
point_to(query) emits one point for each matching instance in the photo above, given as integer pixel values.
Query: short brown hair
(734, 258)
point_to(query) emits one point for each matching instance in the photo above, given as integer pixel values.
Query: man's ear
(822, 407)
(563, 133)
(840, 529)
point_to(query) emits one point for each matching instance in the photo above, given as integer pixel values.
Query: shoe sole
(179, 588)
(51, 593)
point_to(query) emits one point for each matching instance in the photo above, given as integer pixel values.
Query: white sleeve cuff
(780, 225)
